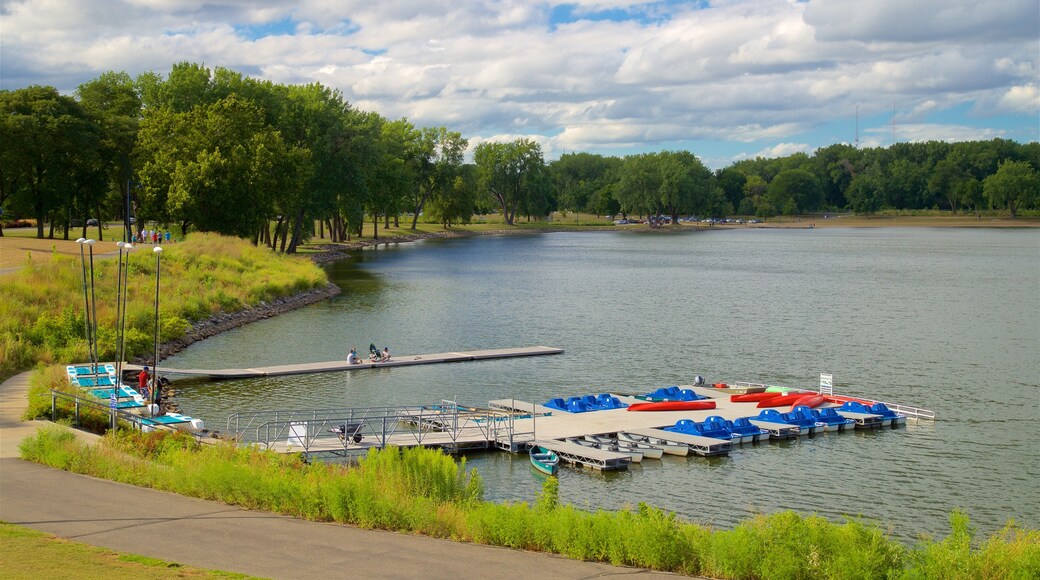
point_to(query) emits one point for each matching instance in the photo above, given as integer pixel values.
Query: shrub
(422, 490)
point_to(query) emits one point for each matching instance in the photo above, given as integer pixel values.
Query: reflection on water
(947, 320)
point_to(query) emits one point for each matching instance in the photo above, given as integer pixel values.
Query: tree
(1014, 185)
(732, 183)
(505, 170)
(114, 102)
(578, 178)
(458, 204)
(835, 167)
(865, 193)
(55, 161)
(640, 181)
(436, 160)
(796, 190)
(216, 167)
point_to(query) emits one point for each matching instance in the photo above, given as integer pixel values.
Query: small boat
(673, 406)
(841, 399)
(586, 403)
(832, 419)
(648, 451)
(672, 393)
(784, 400)
(754, 397)
(714, 427)
(810, 401)
(669, 448)
(636, 456)
(747, 431)
(888, 416)
(806, 425)
(545, 460)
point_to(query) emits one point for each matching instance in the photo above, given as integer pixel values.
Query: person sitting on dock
(352, 358)
(385, 357)
(373, 353)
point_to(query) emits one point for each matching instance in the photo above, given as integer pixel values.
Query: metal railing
(135, 422)
(352, 431)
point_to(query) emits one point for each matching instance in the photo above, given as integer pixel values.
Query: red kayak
(783, 400)
(810, 401)
(673, 406)
(839, 399)
(753, 397)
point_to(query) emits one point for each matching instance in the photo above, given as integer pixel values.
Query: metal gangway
(352, 431)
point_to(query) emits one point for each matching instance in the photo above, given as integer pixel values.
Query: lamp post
(93, 312)
(155, 369)
(122, 289)
(119, 311)
(86, 299)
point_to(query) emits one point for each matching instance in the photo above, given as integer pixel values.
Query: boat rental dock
(506, 424)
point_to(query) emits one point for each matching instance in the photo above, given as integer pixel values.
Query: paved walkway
(214, 535)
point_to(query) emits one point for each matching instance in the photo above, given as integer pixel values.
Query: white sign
(298, 434)
(826, 383)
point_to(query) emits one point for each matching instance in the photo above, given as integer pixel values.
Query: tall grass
(42, 311)
(42, 381)
(424, 491)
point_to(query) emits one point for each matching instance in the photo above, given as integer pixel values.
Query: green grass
(424, 491)
(28, 554)
(41, 315)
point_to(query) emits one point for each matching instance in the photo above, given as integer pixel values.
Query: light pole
(155, 369)
(122, 289)
(93, 312)
(86, 298)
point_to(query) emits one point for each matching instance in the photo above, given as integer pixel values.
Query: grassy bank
(30, 554)
(423, 491)
(41, 314)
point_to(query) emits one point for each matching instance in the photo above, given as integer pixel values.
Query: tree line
(214, 150)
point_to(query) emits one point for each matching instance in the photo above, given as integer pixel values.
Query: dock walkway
(342, 365)
(703, 446)
(588, 456)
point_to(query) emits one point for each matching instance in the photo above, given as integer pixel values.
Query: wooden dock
(341, 365)
(778, 430)
(511, 425)
(703, 446)
(863, 420)
(588, 456)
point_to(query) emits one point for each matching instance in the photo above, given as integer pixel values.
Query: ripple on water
(946, 320)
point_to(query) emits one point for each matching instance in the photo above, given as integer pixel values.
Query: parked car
(92, 222)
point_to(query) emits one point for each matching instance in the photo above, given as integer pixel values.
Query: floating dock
(510, 425)
(342, 365)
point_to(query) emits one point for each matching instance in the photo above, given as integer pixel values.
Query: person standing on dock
(142, 383)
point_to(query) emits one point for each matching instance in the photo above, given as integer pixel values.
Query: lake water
(943, 319)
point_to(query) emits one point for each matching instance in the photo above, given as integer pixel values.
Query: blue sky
(726, 80)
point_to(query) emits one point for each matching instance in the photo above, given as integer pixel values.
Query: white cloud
(763, 75)
(1021, 99)
(920, 132)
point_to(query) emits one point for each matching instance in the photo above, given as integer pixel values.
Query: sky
(725, 80)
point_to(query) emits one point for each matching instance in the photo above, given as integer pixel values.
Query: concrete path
(214, 535)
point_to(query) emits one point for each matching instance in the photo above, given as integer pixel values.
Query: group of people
(144, 387)
(374, 355)
(153, 236)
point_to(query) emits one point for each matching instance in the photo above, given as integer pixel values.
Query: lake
(943, 319)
